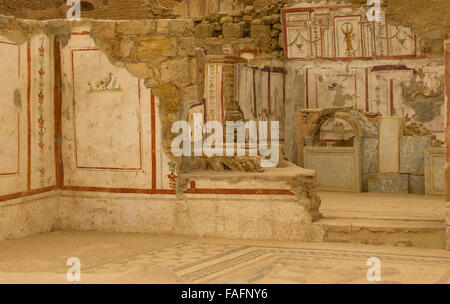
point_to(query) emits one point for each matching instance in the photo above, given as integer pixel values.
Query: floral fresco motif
(172, 176)
(41, 121)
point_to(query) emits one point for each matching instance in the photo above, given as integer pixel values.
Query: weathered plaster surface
(22, 217)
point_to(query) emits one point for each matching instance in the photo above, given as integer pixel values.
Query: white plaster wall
(13, 117)
(23, 217)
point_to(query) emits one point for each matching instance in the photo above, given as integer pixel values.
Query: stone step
(401, 233)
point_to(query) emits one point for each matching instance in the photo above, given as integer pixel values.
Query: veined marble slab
(369, 148)
(412, 154)
(388, 183)
(417, 184)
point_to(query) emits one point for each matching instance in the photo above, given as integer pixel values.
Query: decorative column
(221, 100)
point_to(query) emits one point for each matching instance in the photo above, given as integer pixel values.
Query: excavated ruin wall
(163, 53)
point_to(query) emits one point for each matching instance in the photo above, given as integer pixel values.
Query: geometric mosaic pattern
(201, 262)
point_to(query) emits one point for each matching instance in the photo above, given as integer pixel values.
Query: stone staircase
(392, 220)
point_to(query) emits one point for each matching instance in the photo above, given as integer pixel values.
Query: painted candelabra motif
(41, 120)
(107, 84)
(347, 28)
(340, 32)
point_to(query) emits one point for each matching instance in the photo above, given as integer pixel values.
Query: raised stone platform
(278, 204)
(383, 219)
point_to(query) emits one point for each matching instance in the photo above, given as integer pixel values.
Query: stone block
(157, 47)
(183, 27)
(435, 171)
(412, 154)
(391, 131)
(226, 19)
(248, 10)
(417, 184)
(260, 30)
(388, 183)
(204, 30)
(136, 27)
(338, 168)
(177, 71)
(233, 30)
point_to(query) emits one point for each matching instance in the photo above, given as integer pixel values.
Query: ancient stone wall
(447, 134)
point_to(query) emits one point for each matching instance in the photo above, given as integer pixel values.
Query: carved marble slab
(338, 168)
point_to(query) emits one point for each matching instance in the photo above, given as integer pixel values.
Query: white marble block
(435, 171)
(391, 132)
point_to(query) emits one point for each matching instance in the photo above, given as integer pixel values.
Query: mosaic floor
(128, 258)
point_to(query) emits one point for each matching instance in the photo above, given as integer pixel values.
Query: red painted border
(367, 88)
(8, 197)
(119, 190)
(307, 88)
(194, 190)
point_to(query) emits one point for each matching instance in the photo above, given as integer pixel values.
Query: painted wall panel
(13, 117)
(112, 137)
(106, 121)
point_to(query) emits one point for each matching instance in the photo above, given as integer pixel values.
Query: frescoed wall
(27, 163)
(414, 91)
(337, 58)
(340, 32)
(111, 125)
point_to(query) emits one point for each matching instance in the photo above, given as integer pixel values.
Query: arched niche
(87, 6)
(336, 132)
(343, 121)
